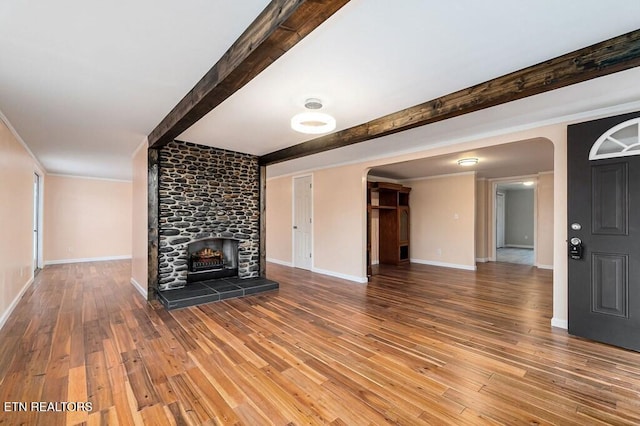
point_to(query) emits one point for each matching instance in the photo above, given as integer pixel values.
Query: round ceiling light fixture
(467, 162)
(528, 183)
(313, 122)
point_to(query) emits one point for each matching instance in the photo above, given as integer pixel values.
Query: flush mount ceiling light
(527, 183)
(313, 122)
(467, 161)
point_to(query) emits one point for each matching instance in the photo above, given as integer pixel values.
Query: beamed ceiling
(84, 84)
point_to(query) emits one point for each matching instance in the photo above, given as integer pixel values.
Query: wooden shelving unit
(394, 215)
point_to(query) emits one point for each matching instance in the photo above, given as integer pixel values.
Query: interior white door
(302, 222)
(500, 220)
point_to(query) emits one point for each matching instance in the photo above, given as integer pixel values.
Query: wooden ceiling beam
(280, 26)
(608, 57)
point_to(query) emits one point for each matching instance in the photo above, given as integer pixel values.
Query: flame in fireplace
(209, 253)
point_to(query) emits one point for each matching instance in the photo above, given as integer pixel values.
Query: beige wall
(139, 216)
(544, 231)
(339, 222)
(347, 208)
(86, 219)
(17, 168)
(482, 252)
(443, 211)
(279, 220)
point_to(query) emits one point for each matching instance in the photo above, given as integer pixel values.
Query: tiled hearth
(214, 290)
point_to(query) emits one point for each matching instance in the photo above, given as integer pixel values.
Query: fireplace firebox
(212, 258)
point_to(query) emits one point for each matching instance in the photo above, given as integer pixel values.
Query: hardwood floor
(417, 345)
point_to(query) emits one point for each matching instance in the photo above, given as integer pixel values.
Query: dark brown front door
(604, 213)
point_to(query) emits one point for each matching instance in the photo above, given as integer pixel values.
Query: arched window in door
(619, 141)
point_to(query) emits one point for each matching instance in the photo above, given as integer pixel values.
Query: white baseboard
(7, 313)
(544, 266)
(279, 262)
(86, 259)
(518, 246)
(559, 323)
(360, 280)
(482, 259)
(142, 290)
(444, 264)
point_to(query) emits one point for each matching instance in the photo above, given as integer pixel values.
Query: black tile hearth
(202, 292)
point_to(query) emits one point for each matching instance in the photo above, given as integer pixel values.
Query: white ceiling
(83, 83)
(521, 158)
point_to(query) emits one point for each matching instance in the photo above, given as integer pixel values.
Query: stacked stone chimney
(206, 192)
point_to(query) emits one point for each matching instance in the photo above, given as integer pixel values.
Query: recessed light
(467, 162)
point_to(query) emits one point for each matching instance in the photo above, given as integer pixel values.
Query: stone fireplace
(207, 197)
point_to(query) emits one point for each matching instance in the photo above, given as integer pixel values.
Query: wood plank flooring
(417, 345)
